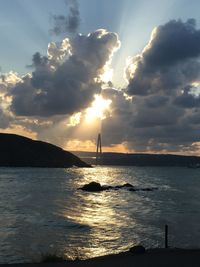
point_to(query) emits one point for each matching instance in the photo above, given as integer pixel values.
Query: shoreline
(172, 257)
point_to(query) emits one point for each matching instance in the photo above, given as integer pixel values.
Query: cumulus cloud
(65, 81)
(159, 110)
(7, 81)
(68, 23)
(187, 99)
(163, 80)
(4, 119)
(168, 62)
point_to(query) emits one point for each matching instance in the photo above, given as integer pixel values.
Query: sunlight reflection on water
(99, 212)
(43, 211)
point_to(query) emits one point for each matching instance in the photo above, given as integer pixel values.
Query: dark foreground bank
(151, 258)
(20, 151)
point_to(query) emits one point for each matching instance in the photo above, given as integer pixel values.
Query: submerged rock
(127, 185)
(143, 189)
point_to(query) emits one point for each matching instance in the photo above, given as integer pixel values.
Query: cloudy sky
(130, 69)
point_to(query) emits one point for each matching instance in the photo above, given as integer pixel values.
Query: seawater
(43, 212)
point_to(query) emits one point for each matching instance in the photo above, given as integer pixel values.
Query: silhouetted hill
(123, 159)
(19, 151)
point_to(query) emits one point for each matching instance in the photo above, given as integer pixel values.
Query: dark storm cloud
(174, 42)
(193, 118)
(156, 101)
(163, 114)
(4, 119)
(67, 80)
(158, 111)
(68, 23)
(6, 83)
(169, 61)
(39, 60)
(187, 99)
(116, 127)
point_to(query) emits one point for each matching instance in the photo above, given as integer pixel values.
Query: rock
(106, 187)
(137, 250)
(117, 187)
(93, 187)
(132, 189)
(147, 189)
(127, 185)
(97, 187)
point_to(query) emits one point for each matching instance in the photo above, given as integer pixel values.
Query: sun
(97, 109)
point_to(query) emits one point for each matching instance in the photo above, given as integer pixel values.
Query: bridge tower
(99, 150)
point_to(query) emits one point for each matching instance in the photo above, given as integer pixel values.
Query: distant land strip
(126, 159)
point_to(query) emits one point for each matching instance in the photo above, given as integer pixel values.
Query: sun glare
(75, 119)
(107, 75)
(98, 108)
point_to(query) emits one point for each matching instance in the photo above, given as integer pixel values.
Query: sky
(130, 69)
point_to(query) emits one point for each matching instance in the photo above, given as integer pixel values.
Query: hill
(19, 151)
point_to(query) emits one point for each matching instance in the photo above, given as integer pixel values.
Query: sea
(43, 211)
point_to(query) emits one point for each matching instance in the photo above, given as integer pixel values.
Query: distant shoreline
(139, 159)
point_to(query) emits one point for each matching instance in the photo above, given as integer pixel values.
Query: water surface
(42, 211)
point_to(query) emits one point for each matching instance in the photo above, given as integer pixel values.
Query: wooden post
(166, 236)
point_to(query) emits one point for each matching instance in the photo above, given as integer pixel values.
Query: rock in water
(97, 187)
(127, 185)
(143, 189)
(92, 187)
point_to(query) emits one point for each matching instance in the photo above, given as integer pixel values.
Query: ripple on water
(42, 211)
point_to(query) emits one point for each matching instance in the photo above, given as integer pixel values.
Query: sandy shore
(152, 258)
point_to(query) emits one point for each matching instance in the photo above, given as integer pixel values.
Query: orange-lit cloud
(69, 97)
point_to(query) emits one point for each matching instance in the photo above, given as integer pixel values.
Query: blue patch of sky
(25, 24)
